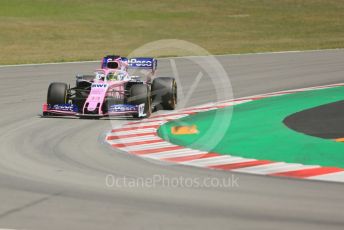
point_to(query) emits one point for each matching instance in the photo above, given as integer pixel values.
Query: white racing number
(141, 109)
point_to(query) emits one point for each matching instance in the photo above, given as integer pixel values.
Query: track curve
(52, 171)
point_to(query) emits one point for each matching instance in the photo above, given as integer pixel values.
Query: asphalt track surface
(325, 121)
(52, 171)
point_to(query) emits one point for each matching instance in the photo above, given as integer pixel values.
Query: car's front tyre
(57, 93)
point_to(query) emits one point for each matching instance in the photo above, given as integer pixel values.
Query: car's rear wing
(143, 63)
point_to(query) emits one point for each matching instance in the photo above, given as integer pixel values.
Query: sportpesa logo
(141, 62)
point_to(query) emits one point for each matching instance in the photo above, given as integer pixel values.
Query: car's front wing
(113, 110)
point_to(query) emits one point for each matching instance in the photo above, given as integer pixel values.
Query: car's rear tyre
(140, 94)
(164, 91)
(57, 93)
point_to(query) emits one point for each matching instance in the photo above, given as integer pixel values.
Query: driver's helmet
(115, 76)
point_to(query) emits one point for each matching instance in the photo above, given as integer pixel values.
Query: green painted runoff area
(256, 130)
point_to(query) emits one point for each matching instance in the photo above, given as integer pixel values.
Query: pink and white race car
(114, 91)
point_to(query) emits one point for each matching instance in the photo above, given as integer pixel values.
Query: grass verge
(62, 30)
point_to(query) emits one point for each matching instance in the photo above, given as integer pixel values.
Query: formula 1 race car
(113, 91)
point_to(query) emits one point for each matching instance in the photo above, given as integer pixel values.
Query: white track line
(275, 167)
(134, 139)
(220, 160)
(337, 177)
(174, 153)
(135, 131)
(148, 123)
